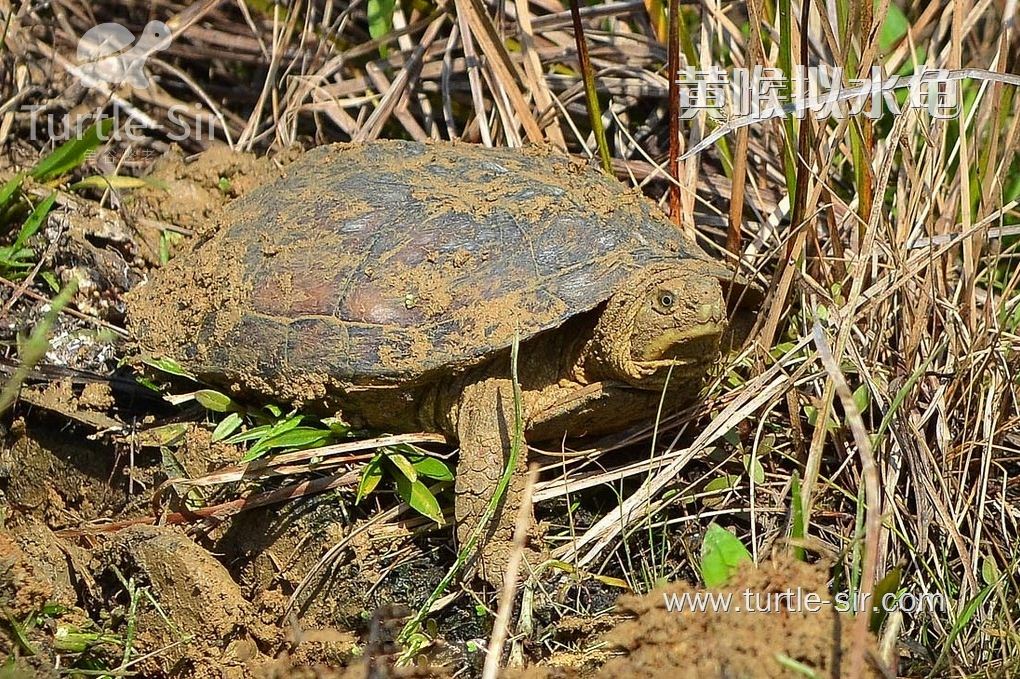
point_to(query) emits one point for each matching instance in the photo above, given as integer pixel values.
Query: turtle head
(664, 322)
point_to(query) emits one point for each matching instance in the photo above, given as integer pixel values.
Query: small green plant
(266, 429)
(81, 648)
(407, 466)
(17, 258)
(380, 17)
(269, 429)
(721, 555)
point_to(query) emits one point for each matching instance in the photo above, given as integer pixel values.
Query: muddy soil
(191, 610)
(657, 642)
(216, 603)
(185, 192)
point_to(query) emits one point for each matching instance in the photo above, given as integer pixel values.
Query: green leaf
(962, 620)
(216, 401)
(111, 181)
(252, 434)
(862, 398)
(371, 475)
(298, 438)
(717, 488)
(267, 431)
(18, 632)
(51, 280)
(403, 465)
(989, 571)
(9, 190)
(432, 468)
(167, 365)
(893, 28)
(72, 153)
(164, 247)
(752, 465)
(227, 426)
(721, 483)
(419, 497)
(798, 668)
(721, 555)
(15, 261)
(887, 585)
(380, 17)
(781, 349)
(34, 221)
(812, 418)
(163, 435)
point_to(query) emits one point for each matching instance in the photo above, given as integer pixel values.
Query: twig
(872, 493)
(673, 73)
(506, 598)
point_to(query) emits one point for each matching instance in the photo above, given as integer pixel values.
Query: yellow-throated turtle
(389, 280)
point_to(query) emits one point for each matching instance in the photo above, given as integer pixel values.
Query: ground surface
(196, 609)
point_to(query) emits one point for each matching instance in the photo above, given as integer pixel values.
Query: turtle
(390, 282)
(108, 52)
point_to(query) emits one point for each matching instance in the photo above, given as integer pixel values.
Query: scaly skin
(484, 430)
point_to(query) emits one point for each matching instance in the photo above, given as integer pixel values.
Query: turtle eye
(664, 301)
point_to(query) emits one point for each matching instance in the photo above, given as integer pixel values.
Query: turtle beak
(683, 347)
(672, 342)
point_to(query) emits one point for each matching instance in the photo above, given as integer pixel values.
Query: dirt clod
(59, 479)
(39, 578)
(750, 644)
(186, 192)
(207, 623)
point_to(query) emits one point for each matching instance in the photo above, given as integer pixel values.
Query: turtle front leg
(484, 429)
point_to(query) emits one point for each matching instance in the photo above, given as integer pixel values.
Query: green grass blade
(72, 153)
(9, 190)
(34, 221)
(590, 92)
(789, 124)
(798, 522)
